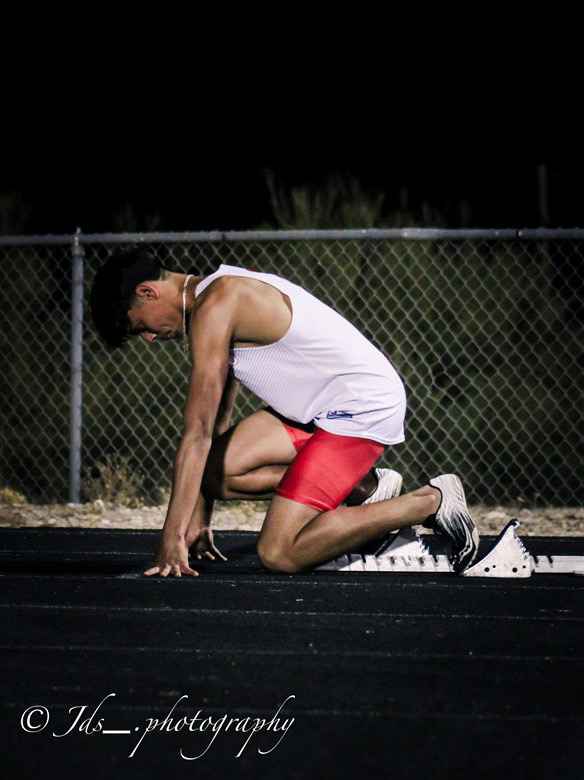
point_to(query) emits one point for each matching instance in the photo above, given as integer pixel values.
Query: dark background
(177, 165)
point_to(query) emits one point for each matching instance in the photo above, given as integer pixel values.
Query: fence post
(77, 258)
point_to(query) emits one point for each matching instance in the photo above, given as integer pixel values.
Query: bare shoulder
(223, 288)
(218, 298)
(254, 312)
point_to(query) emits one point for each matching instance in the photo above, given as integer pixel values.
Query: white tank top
(323, 369)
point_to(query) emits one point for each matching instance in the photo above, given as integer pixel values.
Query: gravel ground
(248, 516)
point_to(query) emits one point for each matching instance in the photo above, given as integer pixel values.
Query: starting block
(407, 552)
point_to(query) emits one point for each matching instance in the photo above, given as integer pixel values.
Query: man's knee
(277, 558)
(214, 475)
(212, 482)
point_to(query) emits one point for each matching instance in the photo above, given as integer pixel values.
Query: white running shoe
(389, 485)
(453, 521)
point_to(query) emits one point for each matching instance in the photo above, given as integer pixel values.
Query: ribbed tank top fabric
(322, 369)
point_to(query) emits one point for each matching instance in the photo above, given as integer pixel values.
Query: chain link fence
(485, 328)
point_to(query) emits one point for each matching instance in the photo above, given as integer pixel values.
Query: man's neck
(191, 281)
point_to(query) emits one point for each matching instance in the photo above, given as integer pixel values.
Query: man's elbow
(198, 432)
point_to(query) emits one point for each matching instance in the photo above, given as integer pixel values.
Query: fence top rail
(411, 234)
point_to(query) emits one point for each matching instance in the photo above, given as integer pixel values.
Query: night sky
(75, 166)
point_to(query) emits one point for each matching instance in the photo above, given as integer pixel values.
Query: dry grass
(248, 516)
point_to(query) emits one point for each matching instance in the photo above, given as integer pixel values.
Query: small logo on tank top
(232, 359)
(337, 414)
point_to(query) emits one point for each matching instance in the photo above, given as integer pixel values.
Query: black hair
(114, 291)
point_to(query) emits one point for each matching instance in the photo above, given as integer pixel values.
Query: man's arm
(211, 333)
(199, 532)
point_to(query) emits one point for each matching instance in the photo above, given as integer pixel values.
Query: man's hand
(202, 539)
(172, 558)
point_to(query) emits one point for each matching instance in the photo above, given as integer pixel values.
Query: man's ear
(147, 292)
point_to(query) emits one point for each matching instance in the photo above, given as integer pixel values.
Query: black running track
(389, 676)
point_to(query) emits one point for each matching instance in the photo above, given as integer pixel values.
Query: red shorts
(327, 467)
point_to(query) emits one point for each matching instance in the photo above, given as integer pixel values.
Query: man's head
(132, 294)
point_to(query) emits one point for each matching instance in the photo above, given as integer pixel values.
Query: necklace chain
(185, 345)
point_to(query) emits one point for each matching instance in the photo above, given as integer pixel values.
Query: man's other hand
(201, 540)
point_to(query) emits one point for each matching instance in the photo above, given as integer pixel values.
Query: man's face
(153, 317)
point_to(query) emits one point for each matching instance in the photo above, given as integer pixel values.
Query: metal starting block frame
(407, 552)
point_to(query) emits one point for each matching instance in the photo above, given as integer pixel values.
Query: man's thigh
(258, 440)
(319, 479)
(327, 469)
